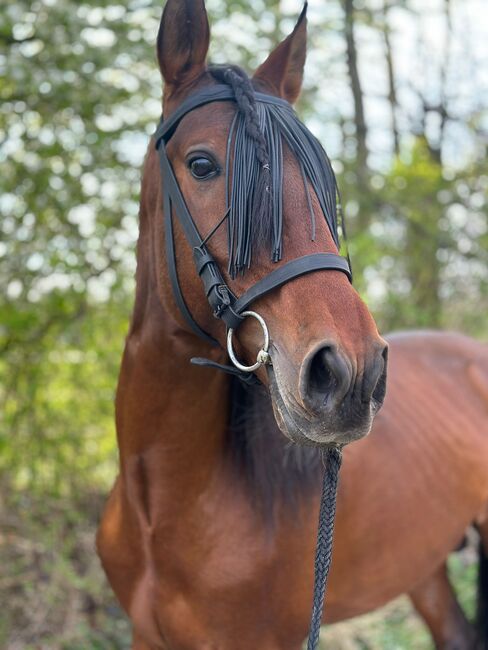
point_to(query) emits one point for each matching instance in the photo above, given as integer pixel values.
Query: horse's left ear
(283, 69)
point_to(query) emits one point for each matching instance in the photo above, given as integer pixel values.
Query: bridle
(224, 304)
(233, 310)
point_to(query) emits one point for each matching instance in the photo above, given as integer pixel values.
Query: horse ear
(283, 69)
(183, 40)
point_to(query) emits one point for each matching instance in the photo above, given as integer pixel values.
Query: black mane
(275, 469)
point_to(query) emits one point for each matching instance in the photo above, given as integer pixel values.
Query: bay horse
(208, 535)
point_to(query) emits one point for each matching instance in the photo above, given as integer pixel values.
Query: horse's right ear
(283, 69)
(183, 39)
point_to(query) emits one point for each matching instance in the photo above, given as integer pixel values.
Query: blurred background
(395, 91)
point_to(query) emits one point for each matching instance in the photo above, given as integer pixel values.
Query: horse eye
(202, 168)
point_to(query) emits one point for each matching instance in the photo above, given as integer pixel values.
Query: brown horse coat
(194, 564)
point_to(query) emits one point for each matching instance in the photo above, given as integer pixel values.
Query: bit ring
(262, 356)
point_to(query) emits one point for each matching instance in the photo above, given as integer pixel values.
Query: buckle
(224, 295)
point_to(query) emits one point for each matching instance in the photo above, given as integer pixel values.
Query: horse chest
(216, 582)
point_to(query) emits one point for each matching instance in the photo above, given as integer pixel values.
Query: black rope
(323, 551)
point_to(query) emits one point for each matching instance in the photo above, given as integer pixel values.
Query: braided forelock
(257, 227)
(240, 83)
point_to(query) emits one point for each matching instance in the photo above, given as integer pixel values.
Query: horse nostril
(321, 378)
(327, 378)
(374, 386)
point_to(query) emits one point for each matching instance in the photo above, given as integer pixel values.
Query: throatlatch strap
(218, 294)
(172, 189)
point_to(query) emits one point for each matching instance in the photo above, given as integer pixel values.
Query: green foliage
(419, 243)
(59, 415)
(79, 96)
(74, 77)
(57, 596)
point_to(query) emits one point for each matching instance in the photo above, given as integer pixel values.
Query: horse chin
(303, 429)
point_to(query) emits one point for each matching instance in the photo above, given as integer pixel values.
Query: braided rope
(323, 551)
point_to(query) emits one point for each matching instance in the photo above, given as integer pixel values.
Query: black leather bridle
(224, 304)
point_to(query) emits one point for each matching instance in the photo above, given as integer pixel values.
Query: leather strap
(247, 377)
(289, 271)
(173, 274)
(218, 294)
(216, 93)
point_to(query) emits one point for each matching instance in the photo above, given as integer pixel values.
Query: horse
(210, 465)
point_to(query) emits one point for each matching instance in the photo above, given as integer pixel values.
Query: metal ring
(262, 356)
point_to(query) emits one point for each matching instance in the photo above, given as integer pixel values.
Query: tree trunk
(357, 92)
(392, 97)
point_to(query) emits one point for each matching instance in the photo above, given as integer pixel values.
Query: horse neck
(171, 416)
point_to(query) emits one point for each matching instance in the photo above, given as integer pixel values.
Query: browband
(225, 305)
(217, 93)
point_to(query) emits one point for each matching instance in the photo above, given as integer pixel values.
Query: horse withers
(192, 553)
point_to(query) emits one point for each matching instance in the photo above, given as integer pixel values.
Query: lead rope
(325, 534)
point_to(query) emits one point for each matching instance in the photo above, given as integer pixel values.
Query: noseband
(223, 302)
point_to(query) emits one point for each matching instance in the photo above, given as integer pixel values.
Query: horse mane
(276, 471)
(254, 196)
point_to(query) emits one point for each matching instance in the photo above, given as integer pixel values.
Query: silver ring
(262, 356)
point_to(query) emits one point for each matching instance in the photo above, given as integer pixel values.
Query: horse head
(261, 193)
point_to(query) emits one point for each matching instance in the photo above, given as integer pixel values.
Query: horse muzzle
(333, 404)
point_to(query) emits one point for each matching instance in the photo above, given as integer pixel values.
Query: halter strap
(225, 305)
